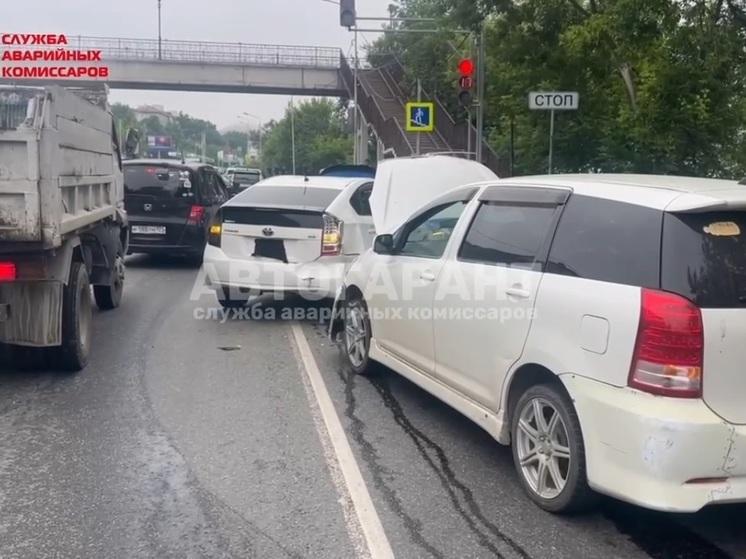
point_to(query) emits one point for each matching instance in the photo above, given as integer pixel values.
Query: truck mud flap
(33, 313)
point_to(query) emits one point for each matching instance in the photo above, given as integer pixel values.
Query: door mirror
(384, 244)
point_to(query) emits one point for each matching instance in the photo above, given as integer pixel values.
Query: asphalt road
(203, 438)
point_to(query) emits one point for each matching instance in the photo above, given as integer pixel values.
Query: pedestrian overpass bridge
(199, 66)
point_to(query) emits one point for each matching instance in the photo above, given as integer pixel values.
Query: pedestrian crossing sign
(420, 117)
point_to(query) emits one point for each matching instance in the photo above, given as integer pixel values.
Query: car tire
(356, 337)
(549, 455)
(77, 319)
(109, 297)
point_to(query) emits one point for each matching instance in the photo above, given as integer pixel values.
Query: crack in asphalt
(453, 487)
(378, 471)
(441, 467)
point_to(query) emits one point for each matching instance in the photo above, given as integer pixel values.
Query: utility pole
(355, 77)
(481, 72)
(292, 129)
(419, 100)
(348, 19)
(160, 49)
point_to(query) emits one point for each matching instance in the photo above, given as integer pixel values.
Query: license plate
(148, 230)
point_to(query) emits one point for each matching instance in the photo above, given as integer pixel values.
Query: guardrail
(200, 52)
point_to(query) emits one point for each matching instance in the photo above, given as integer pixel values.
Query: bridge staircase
(382, 99)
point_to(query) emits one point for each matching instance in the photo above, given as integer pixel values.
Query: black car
(170, 205)
(241, 180)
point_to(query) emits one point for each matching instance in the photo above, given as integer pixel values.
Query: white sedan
(288, 235)
(593, 322)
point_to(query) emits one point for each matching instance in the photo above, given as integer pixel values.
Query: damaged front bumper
(336, 324)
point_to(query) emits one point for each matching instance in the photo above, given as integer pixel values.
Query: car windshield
(154, 180)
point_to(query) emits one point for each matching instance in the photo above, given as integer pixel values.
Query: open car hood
(403, 186)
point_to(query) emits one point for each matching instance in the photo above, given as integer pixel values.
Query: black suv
(170, 205)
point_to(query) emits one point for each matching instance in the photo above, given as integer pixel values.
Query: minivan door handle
(427, 276)
(517, 292)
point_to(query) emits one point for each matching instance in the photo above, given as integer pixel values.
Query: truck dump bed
(60, 168)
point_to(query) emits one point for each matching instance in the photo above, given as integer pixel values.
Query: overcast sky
(290, 22)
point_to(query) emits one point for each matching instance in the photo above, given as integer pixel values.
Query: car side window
(609, 241)
(427, 235)
(360, 200)
(209, 190)
(221, 194)
(507, 234)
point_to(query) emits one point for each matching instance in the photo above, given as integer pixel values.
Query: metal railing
(200, 52)
(388, 130)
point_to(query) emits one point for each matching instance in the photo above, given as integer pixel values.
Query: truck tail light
(669, 352)
(215, 234)
(331, 243)
(196, 214)
(8, 271)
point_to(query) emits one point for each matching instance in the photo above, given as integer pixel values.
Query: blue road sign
(420, 117)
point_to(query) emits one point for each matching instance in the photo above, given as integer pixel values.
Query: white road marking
(377, 543)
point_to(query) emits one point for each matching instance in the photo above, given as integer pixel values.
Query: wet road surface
(189, 438)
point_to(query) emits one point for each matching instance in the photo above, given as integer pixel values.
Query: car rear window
(287, 196)
(704, 258)
(246, 178)
(154, 180)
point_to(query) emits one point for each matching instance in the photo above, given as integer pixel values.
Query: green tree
(661, 82)
(320, 139)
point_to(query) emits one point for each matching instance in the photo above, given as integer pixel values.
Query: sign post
(553, 101)
(420, 117)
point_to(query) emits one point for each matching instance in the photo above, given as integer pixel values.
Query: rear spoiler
(730, 199)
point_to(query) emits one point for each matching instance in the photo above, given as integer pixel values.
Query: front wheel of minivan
(356, 336)
(548, 451)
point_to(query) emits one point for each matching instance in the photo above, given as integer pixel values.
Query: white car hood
(403, 186)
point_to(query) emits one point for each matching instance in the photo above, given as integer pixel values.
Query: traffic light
(347, 14)
(466, 81)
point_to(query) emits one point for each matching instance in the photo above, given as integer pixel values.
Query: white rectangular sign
(553, 100)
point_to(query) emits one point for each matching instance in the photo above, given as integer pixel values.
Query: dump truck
(63, 227)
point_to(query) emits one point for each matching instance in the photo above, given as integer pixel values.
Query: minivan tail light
(215, 234)
(331, 242)
(669, 352)
(196, 214)
(8, 271)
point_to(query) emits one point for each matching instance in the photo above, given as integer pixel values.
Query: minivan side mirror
(383, 244)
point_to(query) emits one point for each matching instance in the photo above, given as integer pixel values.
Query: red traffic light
(466, 67)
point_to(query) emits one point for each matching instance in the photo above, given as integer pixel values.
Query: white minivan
(596, 323)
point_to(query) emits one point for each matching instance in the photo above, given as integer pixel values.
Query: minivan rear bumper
(660, 453)
(315, 280)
